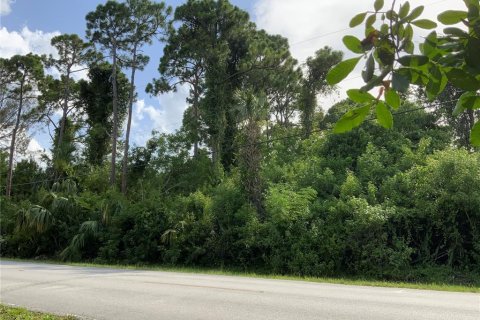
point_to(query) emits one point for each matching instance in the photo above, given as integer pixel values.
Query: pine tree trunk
(196, 115)
(64, 112)
(250, 157)
(129, 123)
(13, 141)
(115, 116)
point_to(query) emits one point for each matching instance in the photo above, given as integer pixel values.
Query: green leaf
(359, 96)
(367, 74)
(408, 33)
(391, 15)
(436, 83)
(409, 47)
(341, 70)
(378, 5)
(456, 32)
(413, 60)
(414, 76)
(473, 10)
(472, 54)
(424, 24)
(452, 16)
(384, 116)
(353, 44)
(463, 80)
(417, 12)
(358, 19)
(404, 10)
(351, 119)
(475, 135)
(429, 47)
(384, 28)
(371, 20)
(400, 83)
(468, 100)
(392, 99)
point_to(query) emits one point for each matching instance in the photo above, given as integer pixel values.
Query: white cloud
(302, 20)
(312, 24)
(5, 7)
(38, 42)
(34, 146)
(82, 73)
(25, 41)
(165, 117)
(35, 150)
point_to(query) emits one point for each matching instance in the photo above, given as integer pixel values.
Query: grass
(16, 313)
(438, 285)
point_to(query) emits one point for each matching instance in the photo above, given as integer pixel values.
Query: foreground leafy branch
(392, 63)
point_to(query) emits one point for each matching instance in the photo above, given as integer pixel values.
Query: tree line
(258, 177)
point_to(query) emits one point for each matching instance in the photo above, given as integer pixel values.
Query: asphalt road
(99, 293)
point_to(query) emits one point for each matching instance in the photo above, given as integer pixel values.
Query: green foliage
(450, 58)
(109, 25)
(96, 98)
(475, 134)
(315, 83)
(20, 79)
(384, 116)
(392, 99)
(451, 219)
(452, 16)
(25, 172)
(256, 179)
(352, 119)
(15, 313)
(341, 70)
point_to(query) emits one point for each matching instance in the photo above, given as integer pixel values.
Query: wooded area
(260, 176)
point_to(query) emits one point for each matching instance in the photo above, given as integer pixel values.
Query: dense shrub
(403, 212)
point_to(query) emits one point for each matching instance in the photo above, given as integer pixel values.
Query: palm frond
(72, 250)
(67, 186)
(169, 236)
(105, 212)
(22, 222)
(39, 218)
(60, 204)
(90, 227)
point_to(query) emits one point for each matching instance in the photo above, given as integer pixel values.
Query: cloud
(5, 7)
(25, 41)
(38, 42)
(165, 117)
(82, 73)
(34, 150)
(303, 20)
(35, 146)
(312, 24)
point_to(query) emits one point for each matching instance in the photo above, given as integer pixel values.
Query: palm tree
(252, 109)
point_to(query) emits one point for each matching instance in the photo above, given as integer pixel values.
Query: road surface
(99, 293)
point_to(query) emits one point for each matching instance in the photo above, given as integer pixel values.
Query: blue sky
(68, 16)
(28, 25)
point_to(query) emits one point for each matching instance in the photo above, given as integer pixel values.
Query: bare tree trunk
(13, 141)
(129, 123)
(115, 116)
